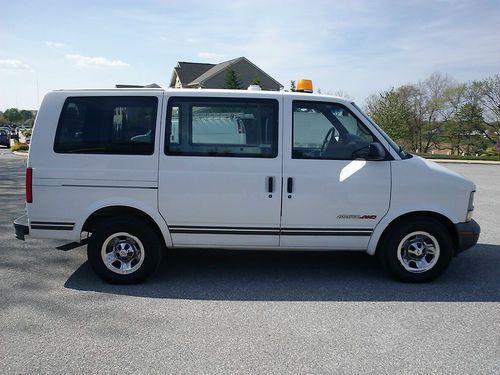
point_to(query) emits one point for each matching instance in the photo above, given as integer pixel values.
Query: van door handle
(270, 184)
(289, 185)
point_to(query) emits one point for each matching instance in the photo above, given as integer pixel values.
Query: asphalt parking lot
(247, 312)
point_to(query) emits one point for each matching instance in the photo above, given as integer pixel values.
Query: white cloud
(14, 65)
(54, 44)
(96, 62)
(210, 55)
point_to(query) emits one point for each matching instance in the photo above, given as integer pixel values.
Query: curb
(25, 154)
(451, 161)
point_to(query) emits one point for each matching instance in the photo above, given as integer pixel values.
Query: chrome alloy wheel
(418, 252)
(122, 253)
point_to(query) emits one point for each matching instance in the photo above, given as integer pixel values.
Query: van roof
(110, 89)
(237, 93)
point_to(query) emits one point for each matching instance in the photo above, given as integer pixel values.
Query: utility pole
(37, 93)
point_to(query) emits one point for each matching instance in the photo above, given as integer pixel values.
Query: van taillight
(29, 185)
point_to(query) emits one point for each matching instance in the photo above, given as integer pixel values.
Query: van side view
(135, 172)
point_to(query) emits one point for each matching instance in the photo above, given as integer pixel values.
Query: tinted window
(327, 131)
(107, 125)
(222, 127)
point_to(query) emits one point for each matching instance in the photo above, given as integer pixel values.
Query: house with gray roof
(213, 76)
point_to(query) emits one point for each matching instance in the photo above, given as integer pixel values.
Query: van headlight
(470, 208)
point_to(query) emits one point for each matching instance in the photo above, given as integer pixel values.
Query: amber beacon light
(304, 85)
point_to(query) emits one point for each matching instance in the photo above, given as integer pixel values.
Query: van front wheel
(417, 251)
(124, 250)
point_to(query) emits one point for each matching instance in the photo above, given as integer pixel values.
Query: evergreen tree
(232, 80)
(256, 81)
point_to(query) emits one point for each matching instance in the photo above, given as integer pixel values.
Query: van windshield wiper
(402, 152)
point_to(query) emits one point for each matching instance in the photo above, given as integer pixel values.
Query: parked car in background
(5, 137)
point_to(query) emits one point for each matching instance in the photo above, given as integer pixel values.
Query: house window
(222, 127)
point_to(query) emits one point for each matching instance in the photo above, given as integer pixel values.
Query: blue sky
(358, 47)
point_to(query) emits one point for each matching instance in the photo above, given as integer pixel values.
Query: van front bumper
(21, 227)
(468, 234)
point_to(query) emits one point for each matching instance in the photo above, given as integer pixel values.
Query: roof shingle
(213, 71)
(188, 71)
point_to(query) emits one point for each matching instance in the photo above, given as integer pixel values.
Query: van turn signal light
(304, 85)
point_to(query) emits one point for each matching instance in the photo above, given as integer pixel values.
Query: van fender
(150, 211)
(393, 215)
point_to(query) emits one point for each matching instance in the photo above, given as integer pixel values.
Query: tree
(340, 93)
(25, 115)
(471, 114)
(410, 103)
(490, 99)
(232, 80)
(12, 115)
(292, 85)
(392, 111)
(427, 100)
(439, 113)
(465, 130)
(256, 81)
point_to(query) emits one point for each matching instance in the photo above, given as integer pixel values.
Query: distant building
(213, 76)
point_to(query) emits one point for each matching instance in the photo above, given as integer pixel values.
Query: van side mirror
(374, 151)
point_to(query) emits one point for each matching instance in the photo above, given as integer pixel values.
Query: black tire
(406, 267)
(131, 235)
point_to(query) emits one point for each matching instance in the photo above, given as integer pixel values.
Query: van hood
(445, 172)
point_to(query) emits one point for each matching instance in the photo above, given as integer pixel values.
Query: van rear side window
(222, 127)
(120, 125)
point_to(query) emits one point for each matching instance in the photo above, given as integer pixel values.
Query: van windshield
(400, 151)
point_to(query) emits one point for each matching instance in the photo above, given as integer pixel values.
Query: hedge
(20, 147)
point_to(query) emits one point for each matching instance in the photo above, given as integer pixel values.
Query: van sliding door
(220, 171)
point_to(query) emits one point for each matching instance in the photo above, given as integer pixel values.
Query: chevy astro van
(132, 173)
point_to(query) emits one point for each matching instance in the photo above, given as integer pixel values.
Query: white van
(134, 172)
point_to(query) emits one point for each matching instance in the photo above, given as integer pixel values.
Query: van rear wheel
(124, 250)
(417, 251)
